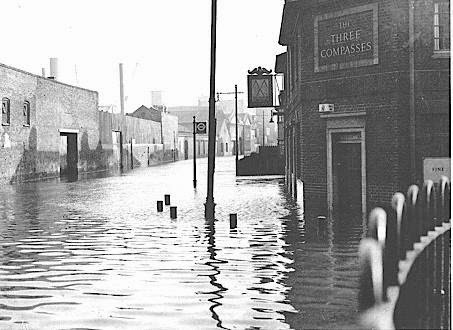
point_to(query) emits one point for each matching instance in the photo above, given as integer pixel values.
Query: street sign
(200, 127)
(260, 91)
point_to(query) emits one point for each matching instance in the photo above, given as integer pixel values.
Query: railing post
(395, 238)
(444, 217)
(413, 213)
(377, 229)
(429, 223)
(371, 279)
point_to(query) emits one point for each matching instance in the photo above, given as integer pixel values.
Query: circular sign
(201, 127)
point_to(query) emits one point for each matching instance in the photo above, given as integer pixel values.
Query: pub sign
(346, 38)
(260, 91)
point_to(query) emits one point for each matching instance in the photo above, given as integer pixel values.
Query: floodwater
(95, 254)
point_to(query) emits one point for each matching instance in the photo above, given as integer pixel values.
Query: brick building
(367, 98)
(46, 127)
(51, 129)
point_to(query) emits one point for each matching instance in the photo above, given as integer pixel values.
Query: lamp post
(194, 154)
(209, 205)
(236, 144)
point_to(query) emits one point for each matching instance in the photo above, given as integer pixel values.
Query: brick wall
(32, 152)
(382, 91)
(141, 140)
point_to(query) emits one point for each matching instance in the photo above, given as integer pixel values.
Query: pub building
(366, 103)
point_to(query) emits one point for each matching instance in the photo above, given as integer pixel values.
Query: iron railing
(405, 259)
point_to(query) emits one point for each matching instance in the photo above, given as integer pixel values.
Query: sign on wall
(260, 91)
(346, 38)
(435, 168)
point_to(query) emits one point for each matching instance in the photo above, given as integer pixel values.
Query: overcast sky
(164, 44)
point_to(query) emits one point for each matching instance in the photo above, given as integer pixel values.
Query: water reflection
(95, 254)
(213, 263)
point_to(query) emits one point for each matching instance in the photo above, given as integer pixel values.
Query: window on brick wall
(6, 111)
(441, 26)
(26, 113)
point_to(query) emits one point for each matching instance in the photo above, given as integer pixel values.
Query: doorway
(186, 149)
(347, 175)
(68, 156)
(117, 149)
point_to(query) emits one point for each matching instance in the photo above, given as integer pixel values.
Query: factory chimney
(53, 68)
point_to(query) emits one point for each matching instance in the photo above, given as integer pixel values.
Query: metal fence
(405, 258)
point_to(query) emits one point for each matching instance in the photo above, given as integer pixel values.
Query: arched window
(6, 112)
(26, 113)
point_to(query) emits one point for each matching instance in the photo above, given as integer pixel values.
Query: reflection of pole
(263, 127)
(236, 148)
(209, 205)
(194, 154)
(213, 263)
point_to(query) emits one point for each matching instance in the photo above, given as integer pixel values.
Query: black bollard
(167, 199)
(233, 220)
(173, 213)
(160, 206)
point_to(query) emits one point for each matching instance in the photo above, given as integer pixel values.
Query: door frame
(345, 123)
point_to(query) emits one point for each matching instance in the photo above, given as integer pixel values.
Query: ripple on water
(94, 254)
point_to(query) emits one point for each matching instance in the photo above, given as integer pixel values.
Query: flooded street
(95, 254)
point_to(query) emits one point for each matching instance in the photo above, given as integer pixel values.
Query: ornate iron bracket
(260, 71)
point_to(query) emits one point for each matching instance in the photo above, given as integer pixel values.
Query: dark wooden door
(348, 172)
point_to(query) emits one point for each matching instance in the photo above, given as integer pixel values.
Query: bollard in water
(160, 206)
(233, 220)
(173, 213)
(167, 199)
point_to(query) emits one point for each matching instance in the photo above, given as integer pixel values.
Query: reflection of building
(367, 98)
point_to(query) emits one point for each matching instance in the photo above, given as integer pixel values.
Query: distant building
(110, 108)
(156, 99)
(147, 113)
(185, 142)
(169, 128)
(51, 129)
(225, 130)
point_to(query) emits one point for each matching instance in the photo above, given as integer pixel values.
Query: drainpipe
(412, 122)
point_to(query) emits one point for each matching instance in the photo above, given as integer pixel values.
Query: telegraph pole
(236, 114)
(194, 153)
(210, 205)
(236, 143)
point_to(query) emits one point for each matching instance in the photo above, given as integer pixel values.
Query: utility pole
(121, 89)
(263, 127)
(236, 143)
(209, 205)
(236, 115)
(194, 154)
